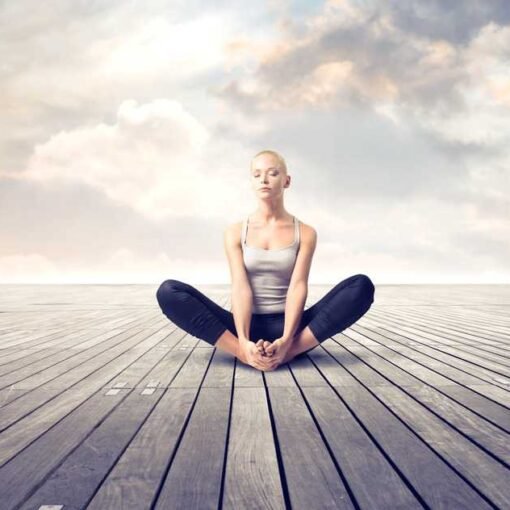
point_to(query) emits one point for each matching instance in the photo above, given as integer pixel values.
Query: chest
(272, 264)
(274, 237)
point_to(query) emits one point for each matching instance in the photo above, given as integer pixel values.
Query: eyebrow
(270, 168)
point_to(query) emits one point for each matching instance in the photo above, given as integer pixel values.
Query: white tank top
(269, 272)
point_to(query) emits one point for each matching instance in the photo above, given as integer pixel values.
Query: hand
(277, 351)
(252, 354)
(271, 362)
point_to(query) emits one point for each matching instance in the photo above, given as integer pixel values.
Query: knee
(366, 287)
(167, 290)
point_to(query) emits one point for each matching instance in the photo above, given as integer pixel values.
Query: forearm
(294, 306)
(242, 300)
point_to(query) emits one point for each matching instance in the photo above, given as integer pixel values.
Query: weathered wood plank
(469, 460)
(309, 472)
(421, 377)
(23, 428)
(439, 344)
(135, 480)
(434, 352)
(252, 477)
(75, 480)
(433, 481)
(194, 479)
(413, 397)
(358, 457)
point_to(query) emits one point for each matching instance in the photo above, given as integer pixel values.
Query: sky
(128, 127)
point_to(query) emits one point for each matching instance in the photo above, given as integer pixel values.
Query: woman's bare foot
(288, 356)
(260, 345)
(304, 341)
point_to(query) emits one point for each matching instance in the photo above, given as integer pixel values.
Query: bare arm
(298, 286)
(242, 295)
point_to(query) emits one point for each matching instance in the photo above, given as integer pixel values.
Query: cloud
(27, 268)
(128, 133)
(373, 61)
(363, 57)
(440, 19)
(441, 107)
(102, 53)
(156, 158)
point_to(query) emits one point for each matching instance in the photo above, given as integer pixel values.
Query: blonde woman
(269, 253)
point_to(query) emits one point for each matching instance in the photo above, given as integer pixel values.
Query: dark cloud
(455, 21)
(377, 53)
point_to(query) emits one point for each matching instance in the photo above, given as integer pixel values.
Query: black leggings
(198, 315)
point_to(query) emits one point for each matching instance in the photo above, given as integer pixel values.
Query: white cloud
(485, 116)
(156, 158)
(162, 47)
(28, 268)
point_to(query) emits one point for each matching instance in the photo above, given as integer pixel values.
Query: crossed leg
(197, 314)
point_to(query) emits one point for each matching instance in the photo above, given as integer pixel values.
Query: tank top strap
(296, 229)
(244, 231)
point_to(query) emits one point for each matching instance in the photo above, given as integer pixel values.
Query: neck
(270, 211)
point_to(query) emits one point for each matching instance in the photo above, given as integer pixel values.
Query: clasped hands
(265, 355)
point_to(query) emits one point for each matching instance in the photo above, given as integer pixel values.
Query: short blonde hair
(278, 156)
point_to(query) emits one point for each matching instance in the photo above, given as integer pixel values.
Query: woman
(270, 254)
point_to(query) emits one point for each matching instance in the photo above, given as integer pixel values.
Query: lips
(262, 189)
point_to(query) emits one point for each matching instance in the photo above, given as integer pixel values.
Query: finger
(256, 364)
(264, 362)
(261, 360)
(261, 356)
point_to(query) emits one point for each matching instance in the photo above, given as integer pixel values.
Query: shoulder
(307, 232)
(232, 233)
(233, 227)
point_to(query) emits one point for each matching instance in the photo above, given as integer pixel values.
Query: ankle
(241, 352)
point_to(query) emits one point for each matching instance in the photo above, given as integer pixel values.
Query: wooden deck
(105, 404)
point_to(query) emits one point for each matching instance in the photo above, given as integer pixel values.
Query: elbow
(299, 286)
(241, 288)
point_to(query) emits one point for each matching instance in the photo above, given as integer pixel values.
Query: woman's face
(267, 173)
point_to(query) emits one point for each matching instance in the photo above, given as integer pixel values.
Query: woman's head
(275, 156)
(268, 169)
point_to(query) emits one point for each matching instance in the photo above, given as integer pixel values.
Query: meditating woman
(269, 254)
